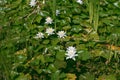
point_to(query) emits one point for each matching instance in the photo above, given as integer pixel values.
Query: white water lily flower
(48, 20)
(50, 31)
(61, 34)
(39, 35)
(79, 1)
(32, 3)
(71, 53)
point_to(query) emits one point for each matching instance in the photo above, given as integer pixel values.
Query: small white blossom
(116, 3)
(71, 53)
(43, 2)
(79, 1)
(39, 35)
(61, 34)
(50, 31)
(32, 3)
(48, 20)
(57, 12)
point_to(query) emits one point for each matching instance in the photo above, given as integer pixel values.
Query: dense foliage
(29, 52)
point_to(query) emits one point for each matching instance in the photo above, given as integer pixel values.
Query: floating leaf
(60, 64)
(71, 76)
(107, 77)
(46, 41)
(60, 55)
(84, 55)
(87, 76)
(24, 77)
(55, 76)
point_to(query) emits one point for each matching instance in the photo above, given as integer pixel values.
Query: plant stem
(93, 7)
(96, 15)
(4, 65)
(54, 13)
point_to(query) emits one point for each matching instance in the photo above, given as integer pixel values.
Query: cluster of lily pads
(61, 34)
